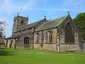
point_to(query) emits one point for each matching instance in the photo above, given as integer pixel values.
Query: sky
(36, 10)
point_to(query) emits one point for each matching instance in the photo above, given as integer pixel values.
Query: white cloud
(72, 2)
(10, 7)
(67, 5)
(2, 3)
(74, 5)
(30, 4)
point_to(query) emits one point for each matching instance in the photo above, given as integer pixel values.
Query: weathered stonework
(44, 34)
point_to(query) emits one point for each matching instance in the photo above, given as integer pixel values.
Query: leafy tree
(80, 22)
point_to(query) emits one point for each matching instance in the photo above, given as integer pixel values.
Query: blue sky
(37, 9)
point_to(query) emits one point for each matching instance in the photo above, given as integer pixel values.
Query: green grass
(11, 56)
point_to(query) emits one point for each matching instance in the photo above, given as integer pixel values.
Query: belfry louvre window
(69, 35)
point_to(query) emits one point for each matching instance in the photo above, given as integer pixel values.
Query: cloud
(2, 3)
(29, 5)
(67, 5)
(10, 7)
(74, 5)
(48, 9)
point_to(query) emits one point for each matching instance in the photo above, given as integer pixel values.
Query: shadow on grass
(4, 52)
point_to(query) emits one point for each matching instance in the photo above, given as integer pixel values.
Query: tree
(80, 22)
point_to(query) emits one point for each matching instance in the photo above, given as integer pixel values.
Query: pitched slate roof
(16, 36)
(31, 25)
(12, 37)
(28, 26)
(51, 24)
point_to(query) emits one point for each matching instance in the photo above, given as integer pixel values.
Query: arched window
(26, 40)
(46, 37)
(37, 36)
(69, 35)
(50, 36)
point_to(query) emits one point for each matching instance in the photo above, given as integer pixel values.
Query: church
(60, 34)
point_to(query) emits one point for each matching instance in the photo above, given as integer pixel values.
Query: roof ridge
(54, 23)
(56, 19)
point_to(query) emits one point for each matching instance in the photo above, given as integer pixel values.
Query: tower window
(22, 22)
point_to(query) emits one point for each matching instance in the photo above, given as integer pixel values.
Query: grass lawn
(11, 56)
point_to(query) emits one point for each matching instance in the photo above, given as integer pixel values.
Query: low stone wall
(67, 47)
(45, 47)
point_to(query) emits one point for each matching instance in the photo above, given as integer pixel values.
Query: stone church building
(59, 34)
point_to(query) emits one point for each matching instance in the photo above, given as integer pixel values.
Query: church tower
(18, 22)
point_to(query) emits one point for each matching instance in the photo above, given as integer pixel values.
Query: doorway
(26, 42)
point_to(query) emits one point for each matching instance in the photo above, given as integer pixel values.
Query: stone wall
(67, 47)
(8, 43)
(43, 38)
(45, 47)
(44, 35)
(13, 43)
(20, 42)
